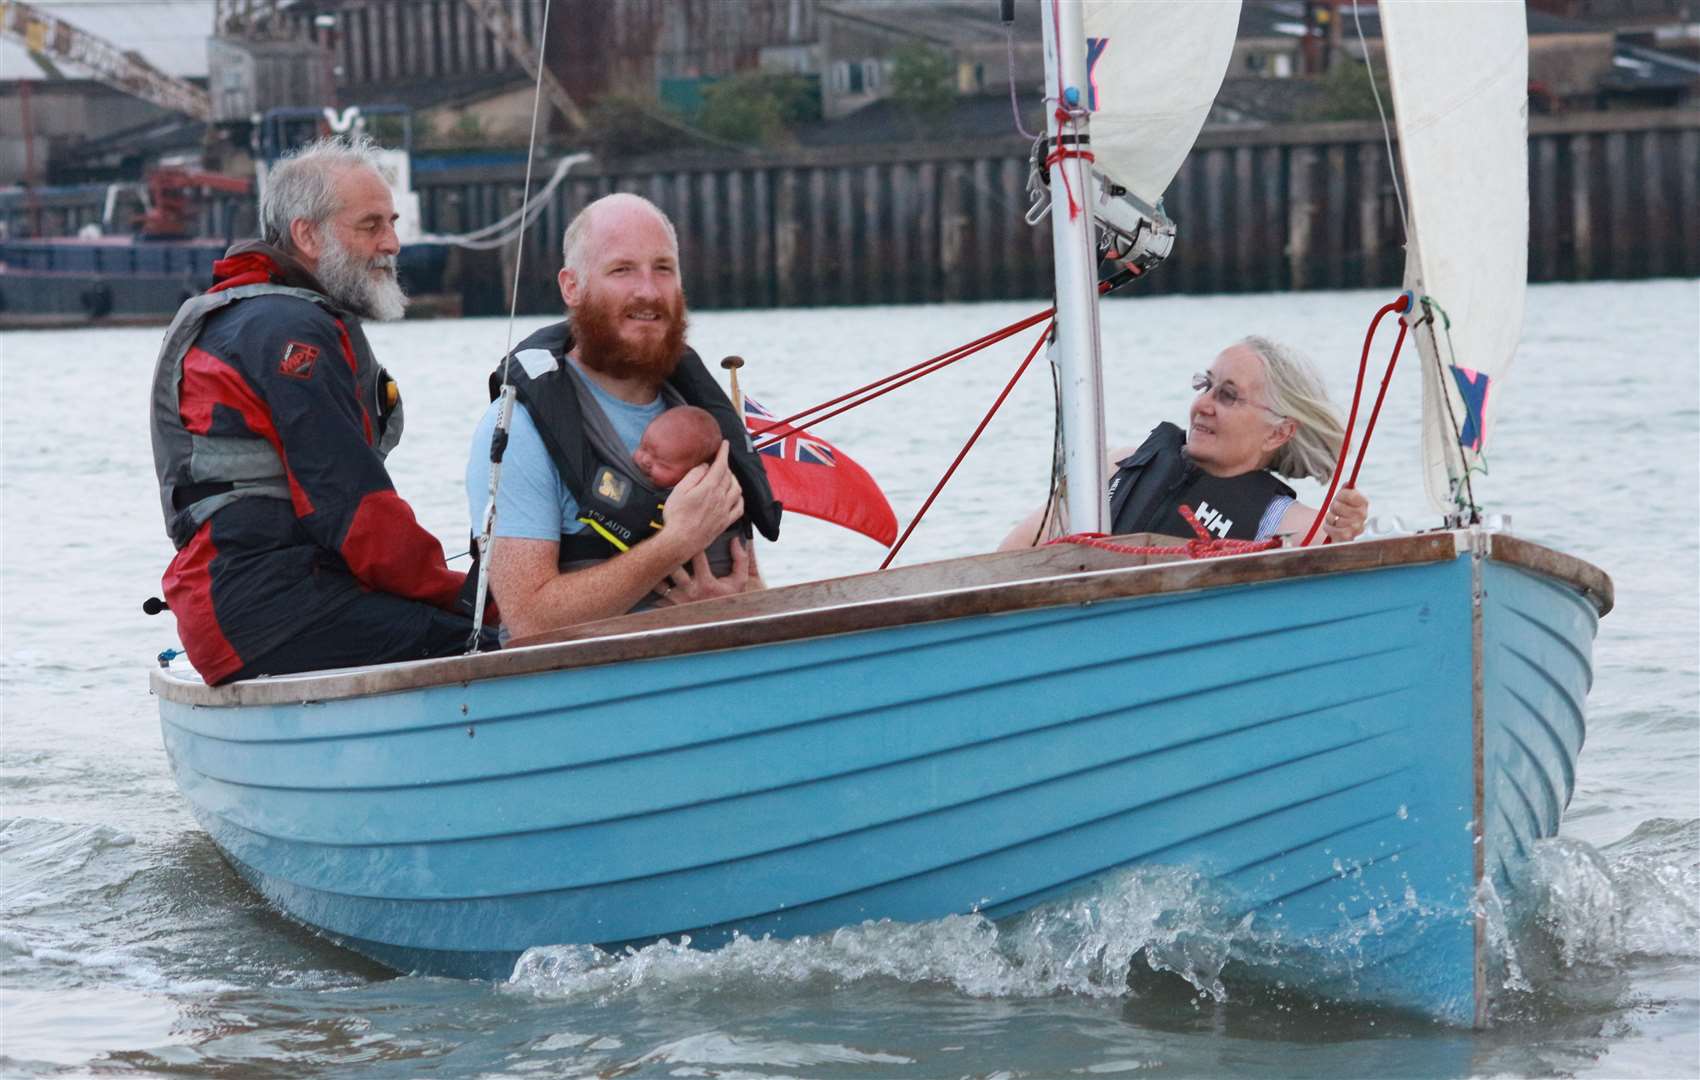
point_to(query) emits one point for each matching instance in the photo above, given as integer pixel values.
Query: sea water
(127, 946)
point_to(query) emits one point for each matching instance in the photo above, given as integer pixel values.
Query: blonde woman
(1261, 410)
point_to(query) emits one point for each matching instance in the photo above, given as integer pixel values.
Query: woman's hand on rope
(1347, 515)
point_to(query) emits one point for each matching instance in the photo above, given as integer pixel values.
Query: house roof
(943, 22)
(1285, 18)
(980, 117)
(1636, 68)
(428, 93)
(1257, 100)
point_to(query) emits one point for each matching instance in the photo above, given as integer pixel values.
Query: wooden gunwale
(957, 588)
(1594, 584)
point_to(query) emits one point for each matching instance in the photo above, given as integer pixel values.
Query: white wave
(1637, 898)
(1087, 945)
(1598, 910)
(44, 862)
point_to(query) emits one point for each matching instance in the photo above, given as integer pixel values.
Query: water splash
(1573, 907)
(1169, 919)
(1579, 918)
(1636, 898)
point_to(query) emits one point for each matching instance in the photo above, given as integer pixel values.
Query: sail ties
(1400, 304)
(1069, 112)
(1068, 146)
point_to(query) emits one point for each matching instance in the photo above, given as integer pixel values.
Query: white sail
(1459, 74)
(1155, 68)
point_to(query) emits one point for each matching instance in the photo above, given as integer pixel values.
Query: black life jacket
(615, 499)
(1151, 484)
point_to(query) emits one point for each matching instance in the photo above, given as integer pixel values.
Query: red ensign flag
(813, 477)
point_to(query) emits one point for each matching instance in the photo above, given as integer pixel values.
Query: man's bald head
(580, 241)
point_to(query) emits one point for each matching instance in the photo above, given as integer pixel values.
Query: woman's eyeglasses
(1227, 394)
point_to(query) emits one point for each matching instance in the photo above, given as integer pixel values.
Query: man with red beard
(577, 534)
(271, 420)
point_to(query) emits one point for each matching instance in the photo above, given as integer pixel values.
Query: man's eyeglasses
(1227, 395)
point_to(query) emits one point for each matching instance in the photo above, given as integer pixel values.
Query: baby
(676, 442)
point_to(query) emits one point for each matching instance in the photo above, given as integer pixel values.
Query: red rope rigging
(896, 379)
(926, 367)
(1400, 304)
(884, 385)
(969, 445)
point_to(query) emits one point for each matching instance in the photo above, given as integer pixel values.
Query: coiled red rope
(1401, 303)
(1201, 546)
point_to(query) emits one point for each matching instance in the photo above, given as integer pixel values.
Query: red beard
(600, 346)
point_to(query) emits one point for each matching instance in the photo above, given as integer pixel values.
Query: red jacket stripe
(354, 366)
(388, 550)
(188, 589)
(209, 381)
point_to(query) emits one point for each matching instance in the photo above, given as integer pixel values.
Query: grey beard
(349, 282)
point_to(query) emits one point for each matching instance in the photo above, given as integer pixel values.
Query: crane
(496, 18)
(58, 40)
(171, 190)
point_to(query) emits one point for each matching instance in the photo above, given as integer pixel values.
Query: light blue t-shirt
(533, 503)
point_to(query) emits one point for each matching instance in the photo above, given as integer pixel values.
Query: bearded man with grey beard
(271, 420)
(579, 533)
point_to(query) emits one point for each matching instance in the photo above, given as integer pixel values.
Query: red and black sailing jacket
(270, 422)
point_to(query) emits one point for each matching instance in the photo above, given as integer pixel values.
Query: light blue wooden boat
(1357, 743)
(1351, 740)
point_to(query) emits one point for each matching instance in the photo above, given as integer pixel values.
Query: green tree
(1345, 94)
(923, 84)
(622, 126)
(755, 109)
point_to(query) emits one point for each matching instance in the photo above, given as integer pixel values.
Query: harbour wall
(1613, 195)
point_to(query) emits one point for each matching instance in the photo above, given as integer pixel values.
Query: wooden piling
(1301, 211)
(846, 238)
(786, 226)
(1688, 200)
(952, 226)
(737, 251)
(1369, 272)
(876, 265)
(1620, 230)
(821, 254)
(1581, 207)
(1656, 224)
(760, 292)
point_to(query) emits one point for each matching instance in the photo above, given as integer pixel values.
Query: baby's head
(675, 442)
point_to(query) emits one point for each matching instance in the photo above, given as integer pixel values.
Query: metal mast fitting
(496, 19)
(58, 40)
(1076, 350)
